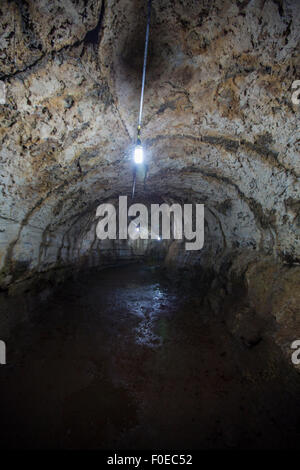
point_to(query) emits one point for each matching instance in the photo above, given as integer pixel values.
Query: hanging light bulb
(138, 154)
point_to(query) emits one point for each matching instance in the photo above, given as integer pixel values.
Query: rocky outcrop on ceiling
(219, 124)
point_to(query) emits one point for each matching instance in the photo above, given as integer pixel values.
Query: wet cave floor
(121, 359)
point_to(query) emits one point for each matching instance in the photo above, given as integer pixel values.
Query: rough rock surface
(219, 124)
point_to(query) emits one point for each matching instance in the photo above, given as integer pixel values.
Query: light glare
(138, 154)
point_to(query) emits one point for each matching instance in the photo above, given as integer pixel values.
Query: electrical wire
(143, 87)
(145, 62)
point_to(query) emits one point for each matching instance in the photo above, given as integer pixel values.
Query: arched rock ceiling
(219, 124)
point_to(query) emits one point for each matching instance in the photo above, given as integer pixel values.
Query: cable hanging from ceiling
(138, 150)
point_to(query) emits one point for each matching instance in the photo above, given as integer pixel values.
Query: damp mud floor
(122, 360)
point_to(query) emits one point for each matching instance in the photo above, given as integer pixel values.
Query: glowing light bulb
(158, 238)
(138, 154)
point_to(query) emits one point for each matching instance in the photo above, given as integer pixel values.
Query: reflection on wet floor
(152, 306)
(119, 359)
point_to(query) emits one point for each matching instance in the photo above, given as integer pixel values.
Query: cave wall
(219, 126)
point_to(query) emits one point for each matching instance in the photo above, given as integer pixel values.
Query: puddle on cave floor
(119, 359)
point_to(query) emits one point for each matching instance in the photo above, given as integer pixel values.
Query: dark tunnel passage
(128, 361)
(144, 343)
